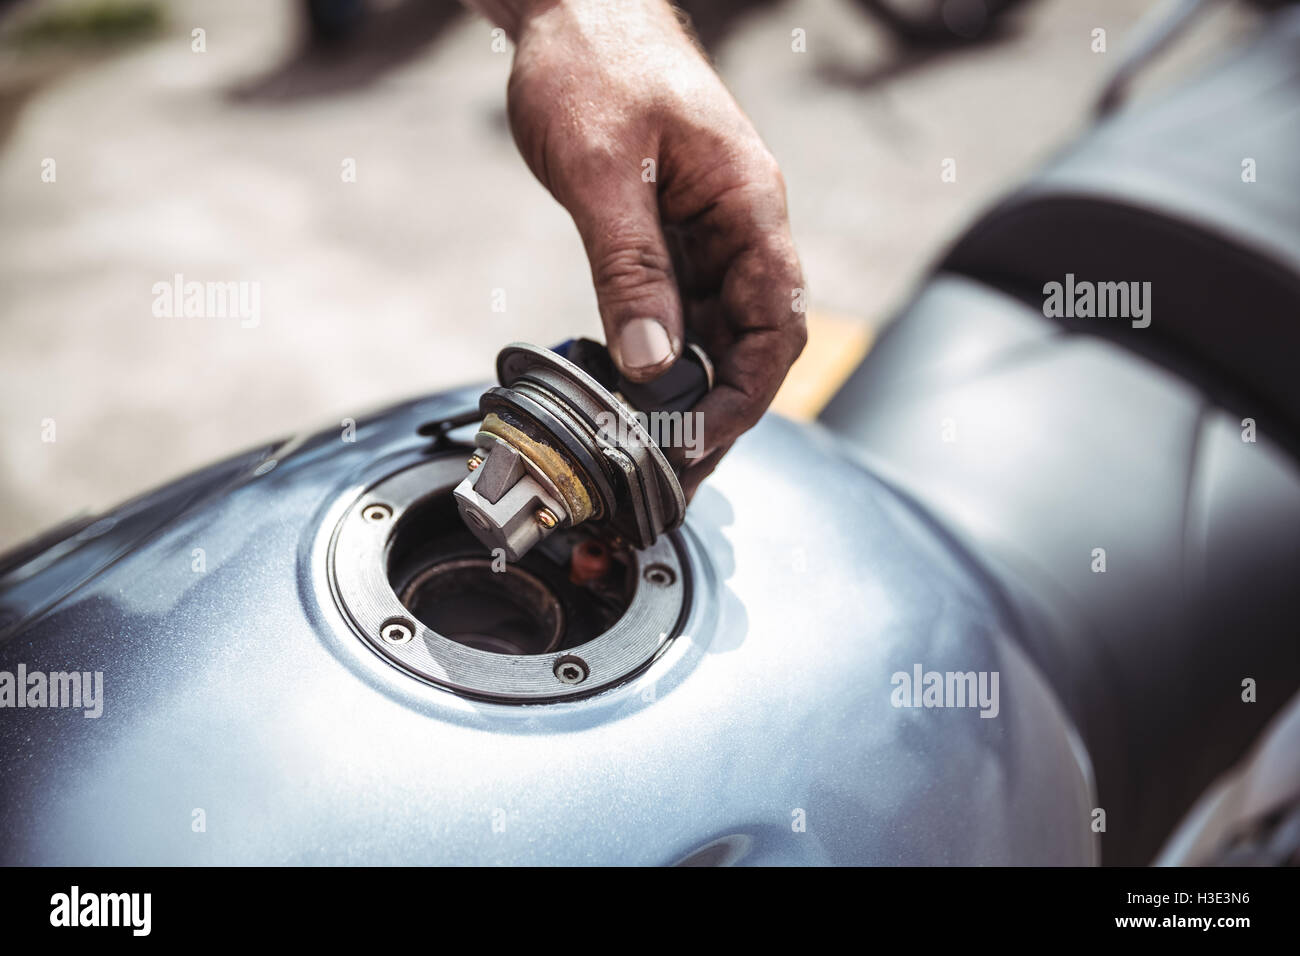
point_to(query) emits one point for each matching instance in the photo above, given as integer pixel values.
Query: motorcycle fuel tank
(292, 658)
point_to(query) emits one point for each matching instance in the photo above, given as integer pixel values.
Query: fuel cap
(561, 444)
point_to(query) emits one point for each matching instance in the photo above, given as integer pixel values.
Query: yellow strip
(549, 462)
(836, 344)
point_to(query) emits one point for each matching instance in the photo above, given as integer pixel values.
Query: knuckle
(629, 262)
(593, 157)
(770, 171)
(762, 169)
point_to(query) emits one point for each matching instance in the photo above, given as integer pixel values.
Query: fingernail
(643, 343)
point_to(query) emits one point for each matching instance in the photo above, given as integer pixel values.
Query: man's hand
(679, 204)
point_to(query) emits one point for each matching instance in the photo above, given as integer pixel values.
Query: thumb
(636, 290)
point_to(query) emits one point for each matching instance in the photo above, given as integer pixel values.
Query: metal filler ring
(358, 567)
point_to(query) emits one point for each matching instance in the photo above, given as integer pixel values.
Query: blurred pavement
(226, 166)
